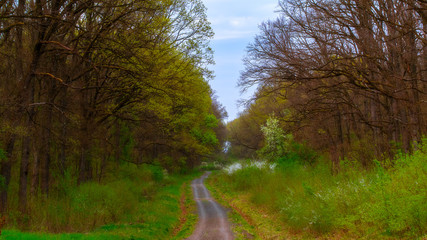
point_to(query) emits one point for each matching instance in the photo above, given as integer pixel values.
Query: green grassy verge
(241, 228)
(311, 202)
(188, 219)
(154, 209)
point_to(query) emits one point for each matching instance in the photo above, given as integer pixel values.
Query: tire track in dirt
(213, 223)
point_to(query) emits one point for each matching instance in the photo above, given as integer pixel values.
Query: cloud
(232, 19)
(232, 34)
(234, 27)
(241, 21)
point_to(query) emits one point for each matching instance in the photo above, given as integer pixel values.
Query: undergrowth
(240, 226)
(377, 203)
(134, 203)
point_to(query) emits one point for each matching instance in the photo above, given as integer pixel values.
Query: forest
(86, 86)
(346, 77)
(107, 115)
(335, 132)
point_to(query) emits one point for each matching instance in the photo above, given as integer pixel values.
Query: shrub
(365, 203)
(120, 198)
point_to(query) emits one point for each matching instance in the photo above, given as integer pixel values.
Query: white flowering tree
(276, 141)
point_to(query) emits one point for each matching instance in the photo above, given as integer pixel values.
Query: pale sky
(235, 23)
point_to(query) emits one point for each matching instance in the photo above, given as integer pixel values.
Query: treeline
(86, 85)
(348, 77)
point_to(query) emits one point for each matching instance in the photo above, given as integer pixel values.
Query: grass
(188, 219)
(242, 226)
(138, 203)
(312, 202)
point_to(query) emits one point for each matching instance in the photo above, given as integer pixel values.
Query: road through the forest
(213, 223)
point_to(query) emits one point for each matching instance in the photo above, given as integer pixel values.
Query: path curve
(213, 223)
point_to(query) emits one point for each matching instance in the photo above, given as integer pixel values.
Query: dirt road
(213, 223)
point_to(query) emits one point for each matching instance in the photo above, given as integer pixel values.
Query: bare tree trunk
(338, 120)
(63, 145)
(29, 93)
(83, 160)
(118, 144)
(34, 182)
(102, 167)
(6, 167)
(422, 87)
(46, 157)
(23, 173)
(45, 163)
(19, 69)
(85, 165)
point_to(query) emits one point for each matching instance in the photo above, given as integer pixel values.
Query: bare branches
(364, 59)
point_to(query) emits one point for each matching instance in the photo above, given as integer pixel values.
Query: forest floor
(213, 221)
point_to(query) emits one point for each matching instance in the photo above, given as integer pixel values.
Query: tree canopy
(86, 85)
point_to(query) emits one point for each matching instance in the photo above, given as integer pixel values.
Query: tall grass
(371, 203)
(136, 202)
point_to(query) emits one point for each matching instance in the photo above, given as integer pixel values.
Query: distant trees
(244, 133)
(349, 71)
(86, 84)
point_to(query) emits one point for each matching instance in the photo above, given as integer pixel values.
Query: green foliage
(298, 153)
(16, 235)
(203, 132)
(157, 173)
(207, 138)
(248, 178)
(137, 202)
(371, 203)
(211, 121)
(106, 203)
(400, 207)
(155, 219)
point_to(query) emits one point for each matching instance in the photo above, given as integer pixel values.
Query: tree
(351, 70)
(78, 76)
(276, 142)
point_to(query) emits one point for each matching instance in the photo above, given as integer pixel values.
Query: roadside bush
(378, 202)
(248, 178)
(399, 205)
(121, 198)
